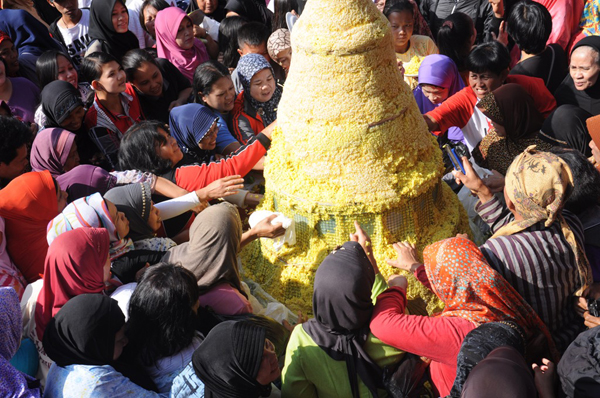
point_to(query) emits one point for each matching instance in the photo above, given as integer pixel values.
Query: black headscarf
(342, 306)
(83, 331)
(135, 200)
(579, 367)
(479, 343)
(228, 361)
(59, 99)
(101, 28)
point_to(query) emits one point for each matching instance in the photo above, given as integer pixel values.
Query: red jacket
(245, 121)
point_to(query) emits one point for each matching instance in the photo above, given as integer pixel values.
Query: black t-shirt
(551, 65)
(157, 108)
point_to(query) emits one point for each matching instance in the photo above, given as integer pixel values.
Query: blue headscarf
(189, 125)
(28, 34)
(248, 66)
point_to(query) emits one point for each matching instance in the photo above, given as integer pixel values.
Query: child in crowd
(407, 46)
(72, 28)
(280, 48)
(116, 106)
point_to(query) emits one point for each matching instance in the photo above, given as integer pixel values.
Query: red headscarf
(473, 290)
(74, 266)
(28, 203)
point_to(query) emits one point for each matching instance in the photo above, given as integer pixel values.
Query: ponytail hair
(454, 38)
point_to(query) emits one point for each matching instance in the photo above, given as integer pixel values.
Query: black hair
(46, 66)
(134, 59)
(398, 6)
(159, 5)
(139, 145)
(13, 135)
(454, 38)
(91, 66)
(586, 180)
(253, 34)
(161, 316)
(529, 24)
(228, 42)
(492, 56)
(281, 8)
(205, 76)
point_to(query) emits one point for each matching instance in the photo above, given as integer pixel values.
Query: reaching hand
(494, 182)
(220, 188)
(264, 229)
(590, 321)
(472, 181)
(407, 257)
(545, 378)
(399, 281)
(363, 239)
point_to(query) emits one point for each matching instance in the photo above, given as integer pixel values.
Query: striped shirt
(539, 263)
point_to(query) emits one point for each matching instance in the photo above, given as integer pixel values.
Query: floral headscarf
(250, 65)
(539, 184)
(278, 41)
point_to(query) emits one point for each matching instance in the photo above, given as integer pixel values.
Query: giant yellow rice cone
(351, 145)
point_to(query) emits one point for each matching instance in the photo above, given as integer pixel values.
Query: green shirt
(311, 372)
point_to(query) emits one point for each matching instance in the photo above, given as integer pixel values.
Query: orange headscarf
(473, 290)
(27, 204)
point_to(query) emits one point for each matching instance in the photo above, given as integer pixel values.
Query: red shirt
(100, 116)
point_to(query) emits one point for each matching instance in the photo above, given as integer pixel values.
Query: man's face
(16, 167)
(260, 49)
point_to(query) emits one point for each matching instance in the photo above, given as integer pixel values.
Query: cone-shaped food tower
(350, 145)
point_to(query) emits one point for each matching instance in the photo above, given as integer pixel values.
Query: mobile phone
(454, 158)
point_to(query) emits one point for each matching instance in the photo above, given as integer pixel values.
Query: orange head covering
(473, 290)
(27, 204)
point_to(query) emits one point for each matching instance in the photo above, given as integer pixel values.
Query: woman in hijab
(279, 47)
(195, 129)
(77, 263)
(85, 340)
(54, 150)
(27, 204)
(531, 232)
(473, 294)
(577, 97)
(438, 80)
(335, 354)
(175, 41)
(109, 31)
(256, 106)
(236, 360)
(516, 123)
(13, 383)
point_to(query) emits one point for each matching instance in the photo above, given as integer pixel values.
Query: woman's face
(284, 58)
(208, 6)
(584, 68)
(148, 79)
(74, 121)
(72, 159)
(269, 367)
(402, 29)
(185, 34)
(154, 220)
(262, 85)
(9, 53)
(170, 150)
(118, 218)
(150, 19)
(112, 78)
(209, 142)
(121, 341)
(435, 94)
(222, 95)
(66, 72)
(120, 18)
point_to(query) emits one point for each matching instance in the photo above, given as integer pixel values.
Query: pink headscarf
(166, 25)
(50, 150)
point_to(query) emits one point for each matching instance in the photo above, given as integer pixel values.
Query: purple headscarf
(439, 70)
(85, 180)
(12, 382)
(50, 150)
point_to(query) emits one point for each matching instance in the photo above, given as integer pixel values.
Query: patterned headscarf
(472, 290)
(278, 41)
(248, 66)
(539, 184)
(189, 125)
(92, 212)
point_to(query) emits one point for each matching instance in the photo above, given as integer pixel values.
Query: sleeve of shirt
(294, 382)
(494, 214)
(176, 206)
(379, 286)
(116, 385)
(108, 142)
(438, 338)
(224, 137)
(242, 128)
(240, 162)
(421, 276)
(455, 111)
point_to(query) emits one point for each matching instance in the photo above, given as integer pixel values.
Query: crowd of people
(122, 165)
